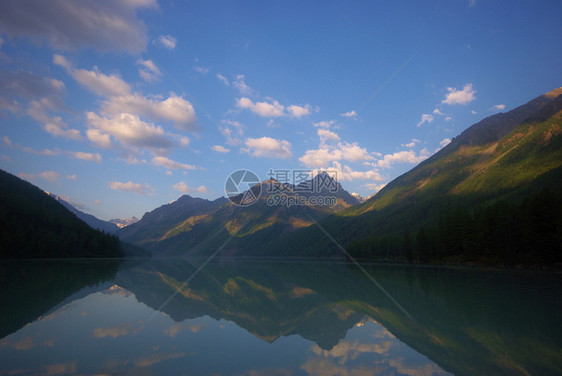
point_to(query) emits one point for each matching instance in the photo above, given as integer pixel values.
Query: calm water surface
(274, 318)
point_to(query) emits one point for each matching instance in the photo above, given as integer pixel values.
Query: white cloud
(71, 25)
(38, 110)
(269, 147)
(411, 144)
(499, 107)
(94, 80)
(448, 118)
(174, 109)
(148, 70)
(330, 152)
(184, 188)
(240, 84)
(202, 70)
(425, 118)
(326, 135)
(220, 149)
(474, 112)
(263, 109)
(324, 124)
(349, 114)
(167, 41)
(374, 186)
(438, 112)
(444, 142)
(129, 130)
(170, 164)
(49, 175)
(406, 156)
(94, 157)
(299, 111)
(141, 189)
(223, 79)
(464, 96)
(321, 157)
(72, 177)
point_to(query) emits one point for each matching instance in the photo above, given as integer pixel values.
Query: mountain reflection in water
(285, 318)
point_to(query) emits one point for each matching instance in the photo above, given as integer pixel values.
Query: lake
(228, 317)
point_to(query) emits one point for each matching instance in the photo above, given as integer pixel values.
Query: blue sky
(122, 106)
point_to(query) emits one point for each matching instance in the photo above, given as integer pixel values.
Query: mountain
(34, 225)
(90, 220)
(491, 195)
(120, 223)
(197, 226)
(155, 225)
(359, 198)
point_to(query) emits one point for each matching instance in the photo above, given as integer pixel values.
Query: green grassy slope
(507, 157)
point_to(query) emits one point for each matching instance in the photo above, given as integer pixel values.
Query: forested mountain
(191, 226)
(34, 225)
(491, 195)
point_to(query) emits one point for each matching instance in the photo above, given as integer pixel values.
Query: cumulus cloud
(264, 109)
(405, 156)
(43, 96)
(269, 147)
(499, 107)
(184, 188)
(174, 109)
(335, 150)
(119, 99)
(349, 114)
(326, 135)
(148, 70)
(223, 79)
(448, 118)
(425, 118)
(167, 41)
(299, 111)
(346, 173)
(464, 96)
(105, 25)
(170, 164)
(438, 112)
(94, 80)
(129, 130)
(140, 189)
(220, 149)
